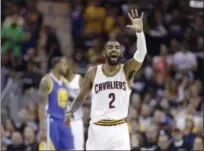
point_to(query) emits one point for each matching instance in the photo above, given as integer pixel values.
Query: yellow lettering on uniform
(62, 97)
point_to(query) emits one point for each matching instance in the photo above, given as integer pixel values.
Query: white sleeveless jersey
(74, 92)
(110, 96)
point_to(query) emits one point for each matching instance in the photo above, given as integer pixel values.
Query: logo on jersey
(110, 85)
(62, 97)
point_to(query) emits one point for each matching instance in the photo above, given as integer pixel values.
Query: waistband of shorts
(111, 122)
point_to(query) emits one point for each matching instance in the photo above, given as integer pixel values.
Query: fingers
(134, 14)
(130, 16)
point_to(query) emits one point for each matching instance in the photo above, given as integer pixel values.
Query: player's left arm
(133, 65)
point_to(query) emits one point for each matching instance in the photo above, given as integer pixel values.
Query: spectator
(26, 120)
(171, 91)
(17, 142)
(33, 112)
(144, 118)
(49, 43)
(189, 131)
(93, 17)
(198, 25)
(110, 21)
(34, 17)
(200, 43)
(175, 27)
(198, 144)
(30, 139)
(3, 143)
(14, 16)
(164, 143)
(8, 129)
(150, 138)
(174, 46)
(31, 39)
(179, 142)
(12, 36)
(185, 62)
(158, 30)
(135, 137)
(77, 22)
(163, 62)
(161, 118)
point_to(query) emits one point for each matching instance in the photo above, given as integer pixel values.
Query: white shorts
(77, 128)
(108, 137)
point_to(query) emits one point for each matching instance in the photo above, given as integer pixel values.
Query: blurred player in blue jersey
(54, 96)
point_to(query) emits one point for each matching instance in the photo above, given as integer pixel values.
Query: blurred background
(167, 106)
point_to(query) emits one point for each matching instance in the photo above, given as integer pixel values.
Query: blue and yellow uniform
(59, 135)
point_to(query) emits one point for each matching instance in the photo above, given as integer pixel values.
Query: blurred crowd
(27, 43)
(166, 111)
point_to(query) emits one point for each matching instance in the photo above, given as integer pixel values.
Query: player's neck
(71, 76)
(56, 74)
(111, 68)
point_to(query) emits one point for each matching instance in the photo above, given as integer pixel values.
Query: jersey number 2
(112, 97)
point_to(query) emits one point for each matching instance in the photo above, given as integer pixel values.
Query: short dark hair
(111, 40)
(55, 61)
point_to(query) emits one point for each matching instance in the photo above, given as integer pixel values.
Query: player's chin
(113, 61)
(64, 73)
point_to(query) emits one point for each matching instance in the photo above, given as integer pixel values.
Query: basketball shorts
(77, 128)
(59, 136)
(108, 137)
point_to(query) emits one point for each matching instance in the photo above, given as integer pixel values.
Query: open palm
(137, 23)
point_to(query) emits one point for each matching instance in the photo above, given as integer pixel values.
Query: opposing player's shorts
(59, 136)
(77, 128)
(108, 137)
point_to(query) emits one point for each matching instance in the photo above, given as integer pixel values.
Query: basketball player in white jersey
(110, 85)
(76, 124)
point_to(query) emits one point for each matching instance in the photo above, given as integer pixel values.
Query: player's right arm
(85, 89)
(133, 65)
(44, 91)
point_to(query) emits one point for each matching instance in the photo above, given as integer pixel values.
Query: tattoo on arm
(132, 65)
(130, 68)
